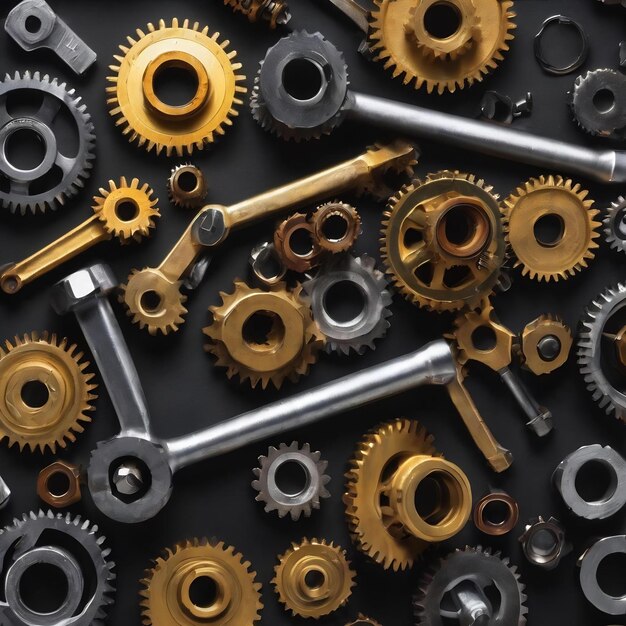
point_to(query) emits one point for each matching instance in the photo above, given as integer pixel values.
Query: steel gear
(302, 501)
(152, 123)
(62, 172)
(187, 187)
(336, 226)
(45, 392)
(440, 44)
(313, 578)
(284, 343)
(296, 245)
(614, 225)
(442, 241)
(274, 12)
(389, 465)
(556, 202)
(545, 344)
(459, 588)
(361, 620)
(167, 598)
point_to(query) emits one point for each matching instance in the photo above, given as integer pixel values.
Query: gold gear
(288, 348)
(478, 36)
(292, 258)
(430, 266)
(389, 465)
(313, 578)
(540, 329)
(362, 620)
(185, 196)
(569, 251)
(57, 366)
(151, 122)
(167, 596)
(347, 234)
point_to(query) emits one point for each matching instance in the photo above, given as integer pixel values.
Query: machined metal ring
(544, 543)
(485, 518)
(567, 22)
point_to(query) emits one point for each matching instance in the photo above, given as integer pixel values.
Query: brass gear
(166, 597)
(389, 464)
(429, 267)
(553, 329)
(362, 620)
(292, 258)
(286, 350)
(347, 234)
(56, 365)
(478, 36)
(313, 578)
(187, 197)
(149, 121)
(568, 252)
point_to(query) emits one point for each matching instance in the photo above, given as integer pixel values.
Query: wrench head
(73, 291)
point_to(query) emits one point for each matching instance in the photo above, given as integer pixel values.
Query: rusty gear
(545, 344)
(183, 195)
(274, 12)
(336, 226)
(293, 258)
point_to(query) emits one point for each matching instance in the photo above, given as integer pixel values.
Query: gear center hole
(130, 479)
(292, 478)
(344, 302)
(549, 230)
(595, 481)
(264, 329)
(484, 338)
(35, 394)
(314, 579)
(433, 500)
(335, 228)
(127, 210)
(58, 484)
(151, 301)
(301, 242)
(496, 513)
(463, 230)
(32, 24)
(188, 182)
(303, 79)
(175, 83)
(442, 20)
(604, 100)
(204, 592)
(544, 544)
(43, 588)
(610, 574)
(25, 149)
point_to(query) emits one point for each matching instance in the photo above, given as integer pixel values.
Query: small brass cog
(45, 392)
(158, 126)
(166, 598)
(313, 578)
(362, 620)
(284, 343)
(336, 226)
(187, 186)
(555, 201)
(285, 237)
(545, 344)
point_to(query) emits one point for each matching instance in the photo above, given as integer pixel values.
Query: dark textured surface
(186, 392)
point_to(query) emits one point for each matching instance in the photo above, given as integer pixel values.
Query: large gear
(45, 392)
(62, 171)
(169, 598)
(152, 123)
(614, 225)
(440, 44)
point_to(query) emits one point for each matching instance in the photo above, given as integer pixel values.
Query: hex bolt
(128, 479)
(549, 347)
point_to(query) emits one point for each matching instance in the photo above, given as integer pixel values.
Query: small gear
(45, 392)
(152, 123)
(336, 226)
(313, 578)
(274, 12)
(362, 620)
(296, 244)
(614, 225)
(187, 187)
(167, 595)
(568, 243)
(545, 344)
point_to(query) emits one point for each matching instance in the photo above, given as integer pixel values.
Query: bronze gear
(389, 465)
(286, 351)
(568, 252)
(430, 266)
(533, 349)
(298, 261)
(56, 365)
(313, 578)
(274, 12)
(478, 34)
(166, 597)
(187, 196)
(347, 232)
(361, 620)
(152, 123)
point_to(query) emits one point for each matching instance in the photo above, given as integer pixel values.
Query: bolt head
(128, 479)
(74, 290)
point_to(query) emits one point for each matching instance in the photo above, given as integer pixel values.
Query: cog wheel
(166, 596)
(292, 231)
(187, 187)
(614, 225)
(556, 202)
(313, 578)
(63, 170)
(158, 126)
(273, 12)
(545, 344)
(336, 226)
(467, 576)
(362, 620)
(45, 392)
(427, 265)
(263, 336)
(443, 45)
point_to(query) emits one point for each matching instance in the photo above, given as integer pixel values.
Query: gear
(442, 44)
(296, 245)
(545, 344)
(287, 339)
(307, 498)
(274, 12)
(187, 186)
(469, 576)
(152, 123)
(45, 392)
(167, 595)
(336, 226)
(361, 620)
(443, 241)
(389, 465)
(313, 578)
(614, 225)
(558, 203)
(63, 170)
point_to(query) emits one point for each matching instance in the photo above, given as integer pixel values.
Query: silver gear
(294, 504)
(15, 183)
(371, 323)
(469, 572)
(614, 225)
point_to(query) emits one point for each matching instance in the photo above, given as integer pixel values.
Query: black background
(186, 392)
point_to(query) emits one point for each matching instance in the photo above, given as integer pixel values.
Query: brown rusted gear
(313, 578)
(69, 472)
(152, 123)
(485, 522)
(545, 328)
(64, 397)
(362, 620)
(288, 348)
(274, 12)
(555, 198)
(284, 246)
(431, 264)
(166, 598)
(476, 35)
(389, 465)
(187, 196)
(345, 217)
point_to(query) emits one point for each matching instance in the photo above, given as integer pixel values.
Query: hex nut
(72, 494)
(73, 290)
(544, 543)
(486, 524)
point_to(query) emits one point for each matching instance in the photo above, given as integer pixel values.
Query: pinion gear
(183, 195)
(614, 225)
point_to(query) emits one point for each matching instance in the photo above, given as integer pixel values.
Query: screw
(549, 347)
(128, 479)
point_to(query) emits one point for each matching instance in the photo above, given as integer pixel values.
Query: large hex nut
(544, 543)
(59, 498)
(74, 290)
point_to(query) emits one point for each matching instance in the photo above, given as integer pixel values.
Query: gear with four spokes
(614, 225)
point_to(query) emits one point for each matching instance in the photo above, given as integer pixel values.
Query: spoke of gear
(156, 125)
(614, 225)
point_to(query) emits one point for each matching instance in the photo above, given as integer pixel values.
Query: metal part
(125, 211)
(614, 225)
(296, 244)
(273, 12)
(361, 619)
(311, 486)
(540, 55)
(544, 543)
(266, 265)
(153, 295)
(187, 186)
(167, 598)
(496, 514)
(5, 494)
(545, 344)
(500, 108)
(128, 479)
(612, 2)
(353, 10)
(32, 24)
(313, 578)
(385, 517)
(622, 54)
(58, 484)
(336, 226)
